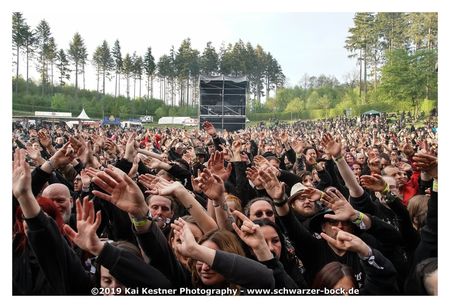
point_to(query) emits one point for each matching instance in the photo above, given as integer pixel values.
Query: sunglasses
(259, 214)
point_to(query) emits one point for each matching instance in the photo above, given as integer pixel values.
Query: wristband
(386, 189)
(360, 218)
(140, 222)
(364, 258)
(280, 202)
(435, 185)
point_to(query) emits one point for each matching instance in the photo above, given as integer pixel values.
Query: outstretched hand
(21, 179)
(209, 128)
(427, 163)
(346, 241)
(252, 175)
(211, 185)
(373, 182)
(331, 146)
(249, 232)
(121, 191)
(160, 186)
(131, 148)
(63, 156)
(87, 224)
(186, 245)
(343, 211)
(312, 194)
(216, 166)
(271, 184)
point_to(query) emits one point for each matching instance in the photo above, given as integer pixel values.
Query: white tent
(173, 120)
(83, 115)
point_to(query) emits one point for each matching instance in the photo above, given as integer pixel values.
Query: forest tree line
(395, 56)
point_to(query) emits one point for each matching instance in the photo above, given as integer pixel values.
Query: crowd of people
(343, 204)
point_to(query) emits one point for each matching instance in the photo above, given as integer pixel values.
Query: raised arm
(160, 186)
(334, 148)
(126, 267)
(61, 267)
(381, 276)
(235, 268)
(213, 188)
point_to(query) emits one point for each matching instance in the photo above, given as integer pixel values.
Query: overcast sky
(311, 43)
(303, 42)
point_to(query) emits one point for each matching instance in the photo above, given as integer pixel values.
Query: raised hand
(216, 166)
(236, 146)
(284, 137)
(63, 156)
(78, 145)
(111, 147)
(160, 186)
(152, 163)
(87, 224)
(209, 128)
(131, 148)
(260, 161)
(120, 191)
(35, 155)
(271, 184)
(21, 179)
(85, 178)
(211, 185)
(347, 241)
(195, 184)
(44, 139)
(91, 172)
(343, 211)
(187, 245)
(249, 232)
(236, 150)
(427, 163)
(373, 182)
(331, 146)
(298, 146)
(147, 180)
(312, 194)
(252, 175)
(97, 140)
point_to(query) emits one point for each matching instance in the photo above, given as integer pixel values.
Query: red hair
(49, 207)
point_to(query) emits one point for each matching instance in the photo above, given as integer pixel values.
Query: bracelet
(140, 222)
(280, 202)
(360, 218)
(364, 258)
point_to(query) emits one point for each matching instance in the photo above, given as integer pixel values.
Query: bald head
(60, 194)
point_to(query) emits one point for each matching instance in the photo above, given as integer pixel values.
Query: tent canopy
(83, 115)
(372, 112)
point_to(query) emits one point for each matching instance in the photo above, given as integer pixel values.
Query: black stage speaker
(223, 101)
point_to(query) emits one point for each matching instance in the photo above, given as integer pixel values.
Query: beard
(66, 217)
